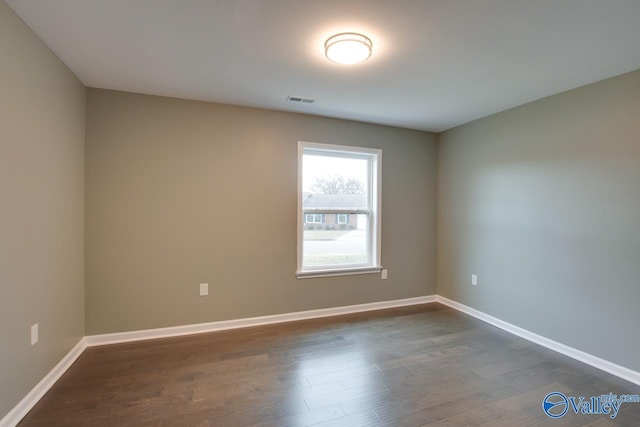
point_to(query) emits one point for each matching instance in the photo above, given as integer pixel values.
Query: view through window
(339, 208)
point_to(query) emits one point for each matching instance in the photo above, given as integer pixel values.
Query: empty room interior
(319, 213)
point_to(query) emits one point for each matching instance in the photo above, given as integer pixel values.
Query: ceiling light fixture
(348, 48)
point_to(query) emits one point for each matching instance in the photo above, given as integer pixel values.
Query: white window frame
(346, 218)
(374, 184)
(313, 221)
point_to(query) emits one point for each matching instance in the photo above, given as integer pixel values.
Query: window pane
(335, 245)
(334, 182)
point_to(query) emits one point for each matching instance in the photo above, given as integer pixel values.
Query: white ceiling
(436, 63)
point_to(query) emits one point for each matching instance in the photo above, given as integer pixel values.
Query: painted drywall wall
(42, 123)
(181, 193)
(542, 202)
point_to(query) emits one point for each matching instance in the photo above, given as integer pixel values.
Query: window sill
(309, 274)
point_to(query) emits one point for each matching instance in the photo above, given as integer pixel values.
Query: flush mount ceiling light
(348, 48)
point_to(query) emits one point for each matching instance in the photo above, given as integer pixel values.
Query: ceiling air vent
(300, 99)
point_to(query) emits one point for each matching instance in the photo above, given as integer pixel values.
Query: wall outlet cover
(34, 334)
(204, 289)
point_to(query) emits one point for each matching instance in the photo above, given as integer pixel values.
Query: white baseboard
(589, 359)
(29, 401)
(174, 331)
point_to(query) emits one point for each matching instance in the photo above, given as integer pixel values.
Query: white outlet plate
(204, 289)
(34, 334)
(384, 274)
(474, 279)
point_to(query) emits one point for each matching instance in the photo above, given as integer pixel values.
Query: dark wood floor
(424, 365)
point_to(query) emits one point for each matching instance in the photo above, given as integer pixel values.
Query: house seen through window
(339, 204)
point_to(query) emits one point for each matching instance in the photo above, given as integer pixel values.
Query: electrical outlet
(384, 274)
(204, 289)
(34, 334)
(474, 279)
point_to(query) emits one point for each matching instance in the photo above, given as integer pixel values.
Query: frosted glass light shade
(348, 48)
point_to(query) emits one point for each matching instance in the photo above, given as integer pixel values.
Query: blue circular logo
(555, 404)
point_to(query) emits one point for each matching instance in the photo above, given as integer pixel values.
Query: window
(313, 218)
(342, 218)
(338, 210)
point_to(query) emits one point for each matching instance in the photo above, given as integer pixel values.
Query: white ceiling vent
(300, 99)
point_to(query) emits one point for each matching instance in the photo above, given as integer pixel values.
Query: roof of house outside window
(329, 201)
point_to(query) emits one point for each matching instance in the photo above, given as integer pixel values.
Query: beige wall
(543, 203)
(182, 192)
(42, 118)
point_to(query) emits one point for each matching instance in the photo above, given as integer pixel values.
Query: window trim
(374, 238)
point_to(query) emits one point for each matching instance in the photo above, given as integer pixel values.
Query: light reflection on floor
(338, 384)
